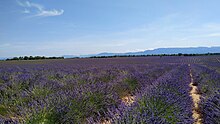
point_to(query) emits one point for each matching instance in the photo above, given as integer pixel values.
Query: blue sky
(76, 27)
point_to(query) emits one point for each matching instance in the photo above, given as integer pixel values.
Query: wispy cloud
(38, 9)
(172, 30)
(26, 11)
(53, 12)
(214, 35)
(5, 45)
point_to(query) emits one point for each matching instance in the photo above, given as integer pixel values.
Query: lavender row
(168, 101)
(208, 83)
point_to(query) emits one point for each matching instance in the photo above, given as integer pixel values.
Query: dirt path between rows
(196, 97)
(217, 59)
(127, 100)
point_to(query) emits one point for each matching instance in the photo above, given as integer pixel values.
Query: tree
(180, 54)
(26, 58)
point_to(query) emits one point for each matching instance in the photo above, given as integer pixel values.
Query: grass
(40, 92)
(160, 108)
(44, 117)
(2, 81)
(127, 86)
(91, 105)
(3, 111)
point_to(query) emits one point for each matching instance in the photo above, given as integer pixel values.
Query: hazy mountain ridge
(3, 58)
(187, 50)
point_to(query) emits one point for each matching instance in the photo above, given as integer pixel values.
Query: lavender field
(128, 90)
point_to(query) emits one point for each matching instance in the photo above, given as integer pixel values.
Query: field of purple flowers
(152, 90)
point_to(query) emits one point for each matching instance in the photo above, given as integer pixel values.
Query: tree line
(179, 54)
(32, 58)
(161, 55)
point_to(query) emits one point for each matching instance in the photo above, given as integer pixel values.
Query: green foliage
(23, 86)
(106, 78)
(44, 117)
(204, 89)
(55, 77)
(127, 86)
(22, 100)
(121, 91)
(89, 106)
(3, 111)
(132, 83)
(160, 108)
(2, 81)
(7, 111)
(81, 81)
(40, 92)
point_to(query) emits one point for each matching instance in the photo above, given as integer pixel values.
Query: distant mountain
(69, 56)
(188, 50)
(78, 56)
(3, 58)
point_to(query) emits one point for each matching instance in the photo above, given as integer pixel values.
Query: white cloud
(40, 10)
(214, 35)
(50, 13)
(26, 11)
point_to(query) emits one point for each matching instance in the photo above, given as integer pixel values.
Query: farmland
(168, 90)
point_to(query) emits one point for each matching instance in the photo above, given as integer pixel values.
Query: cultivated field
(152, 90)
